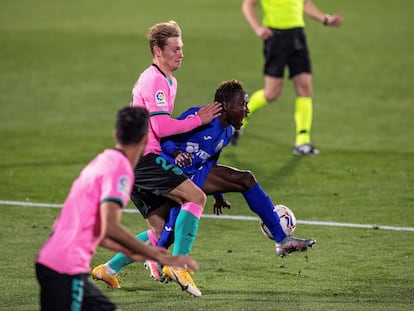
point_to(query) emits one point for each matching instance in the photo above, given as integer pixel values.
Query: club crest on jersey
(220, 145)
(160, 98)
(124, 185)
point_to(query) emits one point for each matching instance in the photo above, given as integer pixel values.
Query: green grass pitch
(67, 66)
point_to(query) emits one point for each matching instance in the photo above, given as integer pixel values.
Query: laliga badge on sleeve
(160, 98)
(124, 185)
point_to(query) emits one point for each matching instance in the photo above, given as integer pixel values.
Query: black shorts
(66, 292)
(286, 48)
(154, 176)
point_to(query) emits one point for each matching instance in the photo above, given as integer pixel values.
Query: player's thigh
(223, 178)
(187, 191)
(156, 218)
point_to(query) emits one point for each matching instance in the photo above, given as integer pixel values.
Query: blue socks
(167, 235)
(260, 203)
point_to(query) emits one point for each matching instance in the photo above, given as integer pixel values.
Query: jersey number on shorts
(168, 166)
(77, 294)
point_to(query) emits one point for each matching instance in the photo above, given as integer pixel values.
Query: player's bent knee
(241, 180)
(272, 96)
(199, 198)
(248, 180)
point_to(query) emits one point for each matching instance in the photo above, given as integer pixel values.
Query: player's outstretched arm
(163, 125)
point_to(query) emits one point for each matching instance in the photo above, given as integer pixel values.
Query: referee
(282, 30)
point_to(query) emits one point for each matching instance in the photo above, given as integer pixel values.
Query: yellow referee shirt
(283, 14)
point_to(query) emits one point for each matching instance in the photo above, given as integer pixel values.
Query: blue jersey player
(197, 153)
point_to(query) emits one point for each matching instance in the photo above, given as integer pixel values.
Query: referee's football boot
(99, 273)
(155, 270)
(182, 277)
(291, 244)
(305, 149)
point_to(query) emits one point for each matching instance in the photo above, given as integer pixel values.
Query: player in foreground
(157, 182)
(197, 152)
(283, 33)
(90, 217)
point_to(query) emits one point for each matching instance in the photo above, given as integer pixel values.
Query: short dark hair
(227, 90)
(131, 125)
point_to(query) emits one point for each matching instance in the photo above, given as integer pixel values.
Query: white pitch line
(319, 223)
(22, 203)
(235, 217)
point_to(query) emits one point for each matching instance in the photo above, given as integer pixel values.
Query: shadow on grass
(287, 169)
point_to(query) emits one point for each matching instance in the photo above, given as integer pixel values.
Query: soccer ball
(287, 221)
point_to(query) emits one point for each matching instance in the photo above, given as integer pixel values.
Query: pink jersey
(155, 92)
(77, 231)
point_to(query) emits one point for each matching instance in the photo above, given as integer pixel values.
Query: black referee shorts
(286, 47)
(154, 176)
(66, 292)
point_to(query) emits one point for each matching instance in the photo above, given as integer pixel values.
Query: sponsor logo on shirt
(160, 98)
(203, 155)
(195, 148)
(124, 185)
(192, 147)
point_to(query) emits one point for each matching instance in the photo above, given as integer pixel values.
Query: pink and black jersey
(77, 231)
(156, 92)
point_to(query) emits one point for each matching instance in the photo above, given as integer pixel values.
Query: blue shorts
(200, 176)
